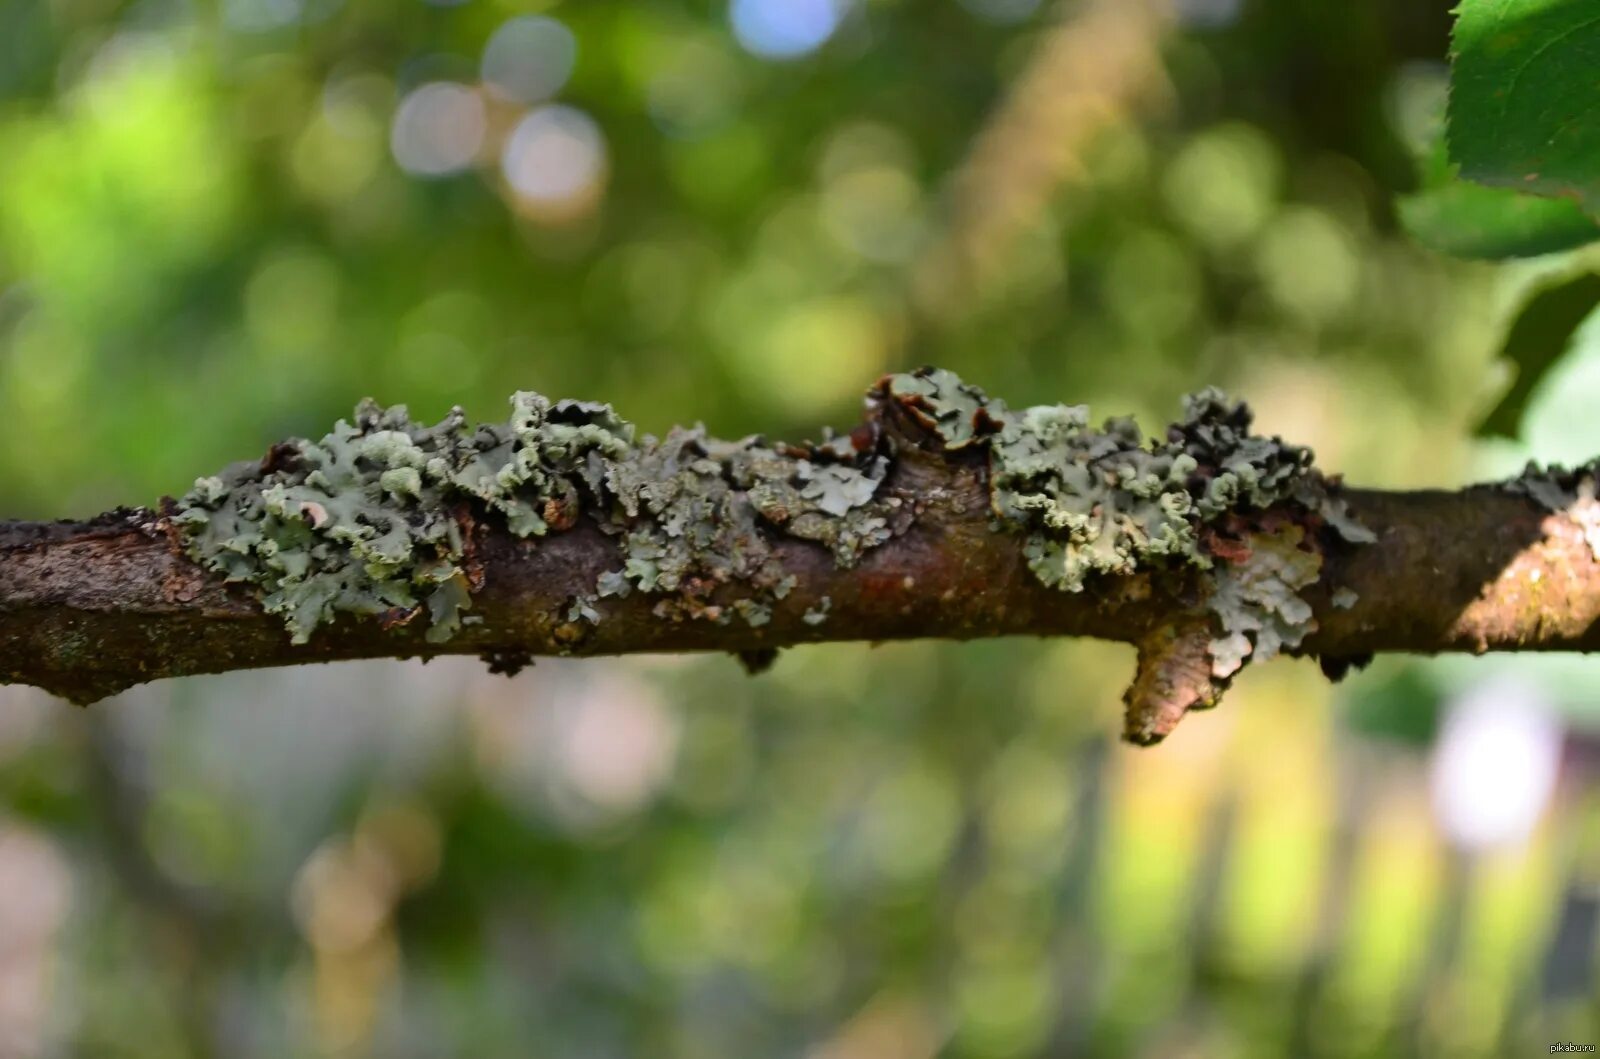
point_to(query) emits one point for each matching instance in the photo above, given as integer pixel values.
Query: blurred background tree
(223, 222)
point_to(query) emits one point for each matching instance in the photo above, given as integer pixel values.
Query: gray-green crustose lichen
(372, 518)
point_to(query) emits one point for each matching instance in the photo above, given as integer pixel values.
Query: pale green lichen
(1106, 501)
(363, 520)
(372, 519)
(1257, 599)
(582, 609)
(693, 507)
(376, 517)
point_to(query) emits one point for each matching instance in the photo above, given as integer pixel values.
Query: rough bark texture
(88, 609)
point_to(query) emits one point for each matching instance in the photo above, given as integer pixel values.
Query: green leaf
(1523, 91)
(1463, 219)
(1538, 337)
(1469, 220)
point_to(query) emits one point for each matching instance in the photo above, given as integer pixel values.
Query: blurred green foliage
(223, 223)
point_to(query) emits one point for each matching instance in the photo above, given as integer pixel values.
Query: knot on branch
(1172, 676)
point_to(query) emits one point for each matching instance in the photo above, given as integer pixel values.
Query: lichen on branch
(372, 518)
(1211, 496)
(1107, 501)
(379, 518)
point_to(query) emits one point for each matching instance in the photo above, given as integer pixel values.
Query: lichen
(1257, 599)
(692, 510)
(1210, 496)
(1106, 502)
(582, 609)
(366, 519)
(375, 518)
(380, 516)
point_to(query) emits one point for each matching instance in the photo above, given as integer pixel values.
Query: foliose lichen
(375, 518)
(1257, 599)
(371, 519)
(1108, 501)
(691, 510)
(379, 517)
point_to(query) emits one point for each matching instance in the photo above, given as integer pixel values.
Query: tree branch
(88, 609)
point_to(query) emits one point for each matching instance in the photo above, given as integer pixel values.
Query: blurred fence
(663, 857)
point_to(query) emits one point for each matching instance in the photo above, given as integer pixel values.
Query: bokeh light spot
(1308, 263)
(695, 90)
(555, 155)
(908, 822)
(291, 305)
(877, 213)
(1224, 184)
(528, 59)
(1495, 764)
(1153, 283)
(784, 29)
(808, 358)
(722, 171)
(337, 154)
(438, 129)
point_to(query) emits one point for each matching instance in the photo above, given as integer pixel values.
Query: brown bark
(88, 609)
